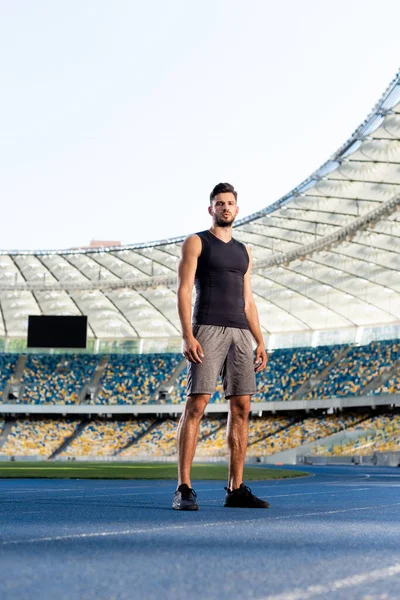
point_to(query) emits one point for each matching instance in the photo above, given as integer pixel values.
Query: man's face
(223, 209)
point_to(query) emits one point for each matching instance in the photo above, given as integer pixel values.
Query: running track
(335, 534)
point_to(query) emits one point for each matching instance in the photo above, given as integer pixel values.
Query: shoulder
(249, 254)
(248, 250)
(192, 245)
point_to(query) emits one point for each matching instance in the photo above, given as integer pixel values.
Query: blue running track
(335, 534)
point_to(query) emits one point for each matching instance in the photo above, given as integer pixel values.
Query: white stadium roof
(326, 259)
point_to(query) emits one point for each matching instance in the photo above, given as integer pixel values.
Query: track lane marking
(337, 584)
(279, 482)
(150, 530)
(117, 495)
(31, 512)
(327, 493)
(39, 490)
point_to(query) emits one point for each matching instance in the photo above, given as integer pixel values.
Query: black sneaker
(243, 498)
(185, 498)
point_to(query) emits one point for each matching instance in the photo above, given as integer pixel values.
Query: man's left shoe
(243, 498)
(185, 498)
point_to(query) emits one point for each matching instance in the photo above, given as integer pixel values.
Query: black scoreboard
(54, 331)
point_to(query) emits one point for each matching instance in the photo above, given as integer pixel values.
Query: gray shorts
(228, 352)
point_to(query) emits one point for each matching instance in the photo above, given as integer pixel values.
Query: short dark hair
(220, 188)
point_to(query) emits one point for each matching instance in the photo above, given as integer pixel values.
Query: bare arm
(190, 252)
(251, 312)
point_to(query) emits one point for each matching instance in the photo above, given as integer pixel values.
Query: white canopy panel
(326, 257)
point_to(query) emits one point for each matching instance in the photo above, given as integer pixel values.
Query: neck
(223, 233)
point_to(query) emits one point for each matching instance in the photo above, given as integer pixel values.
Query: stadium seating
(56, 379)
(302, 431)
(391, 386)
(357, 369)
(288, 369)
(7, 368)
(132, 379)
(149, 438)
(160, 441)
(105, 438)
(382, 435)
(178, 394)
(215, 443)
(37, 437)
(260, 428)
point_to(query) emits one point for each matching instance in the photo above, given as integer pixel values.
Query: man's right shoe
(185, 498)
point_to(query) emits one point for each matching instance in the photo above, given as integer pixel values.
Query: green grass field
(98, 470)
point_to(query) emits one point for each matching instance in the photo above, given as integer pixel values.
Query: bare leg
(188, 431)
(237, 435)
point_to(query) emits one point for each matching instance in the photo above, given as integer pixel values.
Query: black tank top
(219, 283)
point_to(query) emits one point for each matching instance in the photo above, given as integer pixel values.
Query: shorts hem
(192, 392)
(240, 393)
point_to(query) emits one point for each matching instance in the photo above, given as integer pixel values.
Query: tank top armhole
(245, 252)
(200, 234)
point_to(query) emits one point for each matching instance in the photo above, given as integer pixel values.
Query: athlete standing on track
(218, 342)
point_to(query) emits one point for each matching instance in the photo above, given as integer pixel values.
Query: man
(218, 342)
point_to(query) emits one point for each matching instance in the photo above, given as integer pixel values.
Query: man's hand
(261, 358)
(192, 350)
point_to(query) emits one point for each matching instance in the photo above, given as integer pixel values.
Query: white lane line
(117, 495)
(385, 475)
(348, 485)
(337, 584)
(30, 491)
(319, 493)
(257, 484)
(31, 512)
(74, 489)
(270, 496)
(190, 526)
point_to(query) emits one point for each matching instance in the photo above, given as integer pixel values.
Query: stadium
(326, 282)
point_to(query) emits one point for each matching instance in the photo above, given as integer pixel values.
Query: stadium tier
(304, 430)
(37, 437)
(288, 369)
(156, 438)
(391, 385)
(291, 374)
(56, 379)
(133, 379)
(357, 369)
(159, 441)
(105, 438)
(379, 433)
(7, 368)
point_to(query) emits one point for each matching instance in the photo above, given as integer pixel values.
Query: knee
(195, 407)
(240, 409)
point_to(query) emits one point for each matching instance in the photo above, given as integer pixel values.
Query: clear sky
(117, 117)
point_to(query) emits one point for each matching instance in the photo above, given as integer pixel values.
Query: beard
(223, 221)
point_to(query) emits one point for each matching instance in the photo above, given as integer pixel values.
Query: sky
(118, 117)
